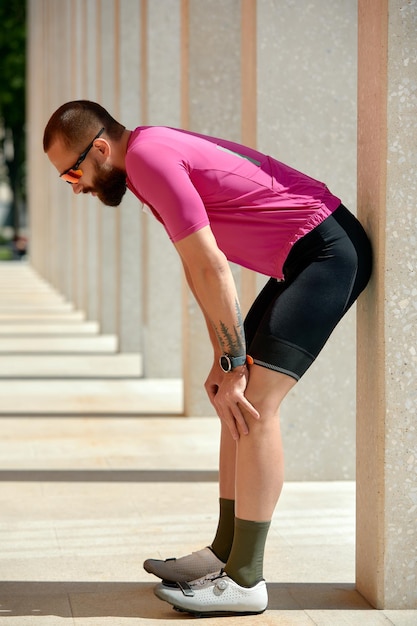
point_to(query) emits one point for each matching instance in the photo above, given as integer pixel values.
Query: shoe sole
(216, 613)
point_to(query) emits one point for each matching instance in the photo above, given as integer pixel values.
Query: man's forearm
(210, 329)
(226, 332)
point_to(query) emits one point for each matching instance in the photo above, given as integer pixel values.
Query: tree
(12, 98)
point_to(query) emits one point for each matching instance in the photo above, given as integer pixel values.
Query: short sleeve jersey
(256, 206)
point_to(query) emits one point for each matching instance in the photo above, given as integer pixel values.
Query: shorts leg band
(267, 350)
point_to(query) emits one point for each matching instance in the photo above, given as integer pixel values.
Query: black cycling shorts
(324, 273)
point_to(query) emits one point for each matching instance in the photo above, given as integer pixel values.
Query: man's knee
(267, 388)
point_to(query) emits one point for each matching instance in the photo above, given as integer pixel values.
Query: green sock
(223, 540)
(245, 563)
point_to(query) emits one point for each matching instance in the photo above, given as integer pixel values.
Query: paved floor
(99, 471)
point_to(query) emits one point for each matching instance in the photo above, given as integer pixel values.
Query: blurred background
(13, 213)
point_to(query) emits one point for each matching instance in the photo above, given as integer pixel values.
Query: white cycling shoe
(190, 567)
(214, 595)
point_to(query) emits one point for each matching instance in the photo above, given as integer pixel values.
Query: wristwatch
(228, 363)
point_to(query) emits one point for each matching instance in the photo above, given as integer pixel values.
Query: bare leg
(260, 461)
(259, 475)
(252, 469)
(227, 464)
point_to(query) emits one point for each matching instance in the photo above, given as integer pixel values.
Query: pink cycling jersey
(256, 206)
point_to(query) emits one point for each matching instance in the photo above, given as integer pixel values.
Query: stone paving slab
(36, 298)
(103, 397)
(42, 329)
(72, 551)
(94, 479)
(11, 309)
(58, 344)
(72, 366)
(41, 316)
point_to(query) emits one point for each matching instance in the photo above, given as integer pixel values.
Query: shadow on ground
(109, 475)
(89, 599)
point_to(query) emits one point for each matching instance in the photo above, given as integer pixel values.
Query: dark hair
(78, 121)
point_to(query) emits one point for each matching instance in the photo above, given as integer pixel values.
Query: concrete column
(78, 258)
(36, 95)
(163, 266)
(48, 253)
(108, 68)
(306, 78)
(91, 207)
(130, 274)
(248, 45)
(387, 361)
(49, 77)
(50, 37)
(213, 106)
(35, 92)
(60, 245)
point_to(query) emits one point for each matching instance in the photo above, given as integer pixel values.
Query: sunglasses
(73, 174)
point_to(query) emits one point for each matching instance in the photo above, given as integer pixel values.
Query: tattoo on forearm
(232, 341)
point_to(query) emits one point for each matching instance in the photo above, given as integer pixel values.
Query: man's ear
(103, 147)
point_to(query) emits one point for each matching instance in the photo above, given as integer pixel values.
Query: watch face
(225, 363)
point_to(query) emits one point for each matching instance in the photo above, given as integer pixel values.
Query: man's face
(109, 184)
(99, 176)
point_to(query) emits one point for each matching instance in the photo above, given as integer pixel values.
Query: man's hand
(210, 278)
(213, 382)
(227, 394)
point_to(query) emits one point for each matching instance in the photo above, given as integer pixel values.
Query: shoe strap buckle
(221, 584)
(186, 589)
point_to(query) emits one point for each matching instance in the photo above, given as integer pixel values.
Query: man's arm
(210, 329)
(211, 280)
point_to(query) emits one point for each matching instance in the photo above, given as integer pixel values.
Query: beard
(109, 183)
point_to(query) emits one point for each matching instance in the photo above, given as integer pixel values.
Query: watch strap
(229, 363)
(237, 361)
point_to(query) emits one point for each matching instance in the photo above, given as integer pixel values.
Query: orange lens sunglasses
(73, 174)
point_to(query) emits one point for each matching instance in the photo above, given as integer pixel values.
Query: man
(220, 201)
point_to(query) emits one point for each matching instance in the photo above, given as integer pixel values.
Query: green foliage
(5, 254)
(12, 94)
(12, 62)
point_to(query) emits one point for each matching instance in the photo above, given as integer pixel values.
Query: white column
(213, 107)
(130, 271)
(163, 354)
(387, 330)
(307, 118)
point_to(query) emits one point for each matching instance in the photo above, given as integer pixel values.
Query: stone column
(35, 118)
(130, 271)
(91, 207)
(248, 45)
(79, 89)
(162, 321)
(53, 209)
(108, 91)
(306, 101)
(387, 330)
(213, 105)
(58, 205)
